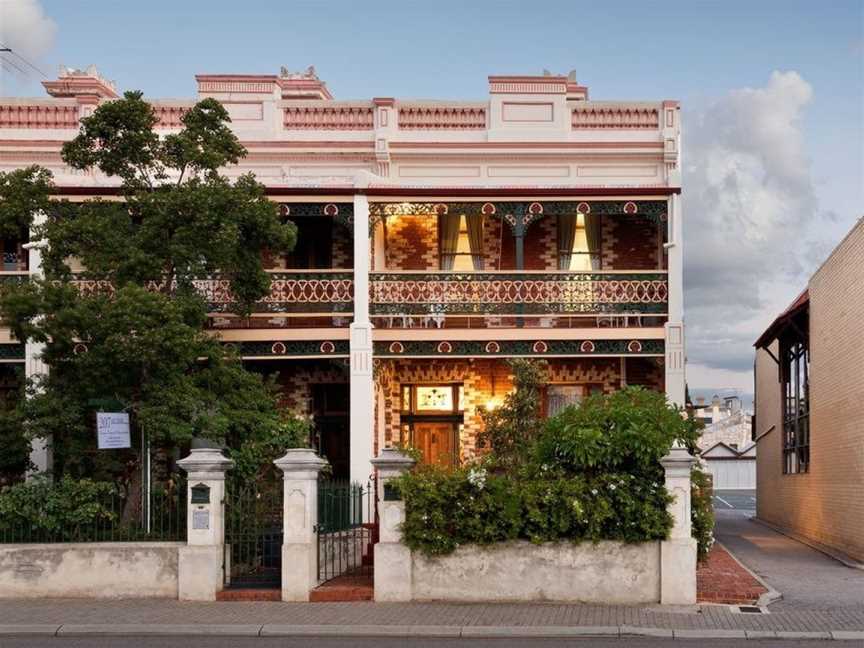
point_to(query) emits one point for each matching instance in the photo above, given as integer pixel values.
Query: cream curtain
(594, 237)
(566, 236)
(449, 231)
(475, 239)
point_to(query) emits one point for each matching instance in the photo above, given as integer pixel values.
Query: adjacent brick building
(810, 466)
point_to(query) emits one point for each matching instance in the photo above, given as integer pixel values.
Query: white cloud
(25, 29)
(751, 218)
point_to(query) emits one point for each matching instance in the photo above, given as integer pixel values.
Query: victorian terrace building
(436, 240)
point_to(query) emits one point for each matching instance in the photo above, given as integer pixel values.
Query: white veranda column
(40, 452)
(362, 393)
(674, 335)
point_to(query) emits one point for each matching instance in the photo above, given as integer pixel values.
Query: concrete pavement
(378, 642)
(65, 617)
(809, 580)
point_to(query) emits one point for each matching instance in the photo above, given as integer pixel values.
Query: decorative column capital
(392, 462)
(300, 463)
(206, 463)
(678, 463)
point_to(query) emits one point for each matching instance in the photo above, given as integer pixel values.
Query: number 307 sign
(113, 430)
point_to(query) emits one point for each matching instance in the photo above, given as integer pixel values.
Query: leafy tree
(134, 337)
(511, 429)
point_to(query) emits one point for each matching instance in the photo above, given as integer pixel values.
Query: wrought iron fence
(253, 535)
(347, 528)
(113, 517)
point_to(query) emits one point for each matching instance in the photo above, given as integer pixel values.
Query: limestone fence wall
(607, 572)
(90, 570)
(604, 572)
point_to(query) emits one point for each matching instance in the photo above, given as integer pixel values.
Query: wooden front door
(436, 442)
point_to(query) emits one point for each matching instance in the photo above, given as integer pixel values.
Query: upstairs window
(461, 242)
(795, 378)
(579, 242)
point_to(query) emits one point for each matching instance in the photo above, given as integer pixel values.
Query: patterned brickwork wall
(602, 371)
(540, 246)
(645, 372)
(630, 243)
(296, 378)
(492, 244)
(412, 243)
(343, 247)
(476, 378)
(824, 504)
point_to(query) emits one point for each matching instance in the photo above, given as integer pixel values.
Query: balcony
(518, 299)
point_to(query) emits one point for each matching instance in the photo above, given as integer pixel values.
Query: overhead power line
(6, 48)
(12, 65)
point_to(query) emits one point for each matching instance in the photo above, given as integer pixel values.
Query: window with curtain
(579, 242)
(461, 242)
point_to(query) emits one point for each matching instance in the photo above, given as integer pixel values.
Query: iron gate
(347, 528)
(253, 535)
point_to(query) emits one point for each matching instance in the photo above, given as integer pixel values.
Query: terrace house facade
(436, 240)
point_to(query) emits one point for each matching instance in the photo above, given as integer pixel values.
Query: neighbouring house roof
(800, 305)
(721, 450)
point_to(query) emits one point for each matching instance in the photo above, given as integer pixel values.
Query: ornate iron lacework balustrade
(300, 292)
(517, 293)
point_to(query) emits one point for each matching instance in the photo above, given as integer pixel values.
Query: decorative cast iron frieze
(519, 215)
(537, 348)
(292, 348)
(341, 213)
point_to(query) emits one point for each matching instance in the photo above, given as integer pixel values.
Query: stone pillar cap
(678, 457)
(298, 460)
(206, 460)
(392, 459)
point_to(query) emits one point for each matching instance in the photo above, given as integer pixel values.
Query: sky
(772, 100)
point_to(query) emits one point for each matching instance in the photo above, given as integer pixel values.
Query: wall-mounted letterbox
(200, 494)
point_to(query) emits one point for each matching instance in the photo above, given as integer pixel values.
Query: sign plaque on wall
(201, 520)
(112, 429)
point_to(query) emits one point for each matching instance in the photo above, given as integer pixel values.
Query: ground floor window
(559, 396)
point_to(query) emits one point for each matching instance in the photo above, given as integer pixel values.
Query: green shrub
(446, 509)
(590, 473)
(62, 510)
(701, 511)
(627, 431)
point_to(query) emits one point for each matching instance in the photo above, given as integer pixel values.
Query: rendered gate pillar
(678, 553)
(392, 558)
(300, 468)
(361, 385)
(200, 561)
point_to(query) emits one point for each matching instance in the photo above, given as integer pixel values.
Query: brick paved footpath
(162, 613)
(722, 579)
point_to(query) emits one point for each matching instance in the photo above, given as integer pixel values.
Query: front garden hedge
(591, 473)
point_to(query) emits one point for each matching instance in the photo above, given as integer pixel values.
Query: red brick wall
(645, 372)
(630, 243)
(343, 247)
(412, 243)
(540, 245)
